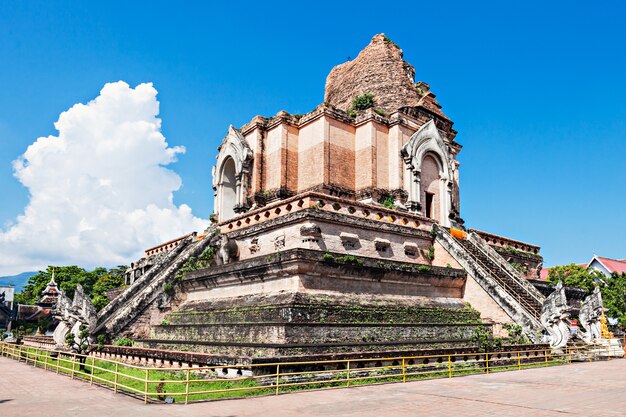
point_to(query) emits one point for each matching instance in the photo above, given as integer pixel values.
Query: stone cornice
(339, 219)
(401, 116)
(325, 202)
(299, 260)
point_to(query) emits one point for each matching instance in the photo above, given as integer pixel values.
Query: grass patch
(196, 385)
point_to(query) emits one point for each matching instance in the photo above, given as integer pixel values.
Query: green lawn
(202, 386)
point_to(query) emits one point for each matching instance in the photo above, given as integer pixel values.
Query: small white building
(607, 266)
(9, 294)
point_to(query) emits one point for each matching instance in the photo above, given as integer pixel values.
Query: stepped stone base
(305, 304)
(297, 324)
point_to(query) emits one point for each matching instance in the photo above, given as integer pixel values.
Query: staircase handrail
(145, 278)
(532, 310)
(163, 272)
(506, 266)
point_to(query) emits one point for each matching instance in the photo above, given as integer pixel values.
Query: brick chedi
(379, 70)
(335, 236)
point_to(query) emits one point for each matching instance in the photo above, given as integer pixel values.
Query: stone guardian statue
(555, 314)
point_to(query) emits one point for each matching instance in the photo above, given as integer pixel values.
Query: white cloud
(99, 191)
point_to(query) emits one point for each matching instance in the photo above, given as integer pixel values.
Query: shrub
(123, 341)
(387, 202)
(351, 259)
(429, 254)
(327, 256)
(363, 101)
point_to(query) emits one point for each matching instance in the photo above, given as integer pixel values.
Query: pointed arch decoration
(427, 141)
(231, 175)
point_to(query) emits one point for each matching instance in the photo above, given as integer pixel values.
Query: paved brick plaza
(585, 389)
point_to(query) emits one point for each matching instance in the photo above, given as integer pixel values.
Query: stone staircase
(145, 290)
(513, 293)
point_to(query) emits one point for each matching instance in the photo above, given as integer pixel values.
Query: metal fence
(214, 382)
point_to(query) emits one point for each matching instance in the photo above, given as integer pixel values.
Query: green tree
(96, 283)
(105, 283)
(614, 297)
(575, 276)
(613, 288)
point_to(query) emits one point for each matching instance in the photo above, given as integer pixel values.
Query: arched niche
(430, 175)
(230, 175)
(429, 183)
(228, 188)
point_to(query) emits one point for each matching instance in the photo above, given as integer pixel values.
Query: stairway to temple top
(529, 301)
(145, 290)
(513, 293)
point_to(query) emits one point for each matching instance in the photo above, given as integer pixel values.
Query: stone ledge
(313, 260)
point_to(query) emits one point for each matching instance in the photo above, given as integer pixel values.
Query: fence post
(187, 388)
(568, 352)
(93, 360)
(277, 377)
(73, 365)
(608, 352)
(145, 398)
(487, 361)
(58, 356)
(545, 352)
(519, 360)
(449, 367)
(403, 370)
(45, 360)
(115, 379)
(36, 358)
(348, 377)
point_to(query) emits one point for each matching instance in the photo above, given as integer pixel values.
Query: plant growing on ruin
(519, 268)
(386, 39)
(362, 102)
(351, 259)
(387, 202)
(429, 254)
(101, 339)
(516, 334)
(206, 258)
(327, 256)
(485, 341)
(123, 341)
(380, 112)
(168, 288)
(423, 268)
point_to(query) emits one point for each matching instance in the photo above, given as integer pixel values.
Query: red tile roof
(613, 265)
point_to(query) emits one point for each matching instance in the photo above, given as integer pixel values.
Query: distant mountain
(18, 280)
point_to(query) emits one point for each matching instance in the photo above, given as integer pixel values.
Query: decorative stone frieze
(382, 244)
(310, 229)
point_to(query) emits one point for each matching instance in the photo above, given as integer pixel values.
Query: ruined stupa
(339, 232)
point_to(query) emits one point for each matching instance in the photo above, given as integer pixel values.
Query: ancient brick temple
(401, 147)
(340, 231)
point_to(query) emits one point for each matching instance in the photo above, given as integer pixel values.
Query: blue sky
(536, 91)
